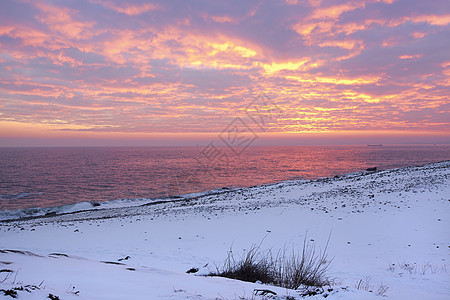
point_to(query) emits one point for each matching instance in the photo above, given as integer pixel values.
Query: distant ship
(377, 145)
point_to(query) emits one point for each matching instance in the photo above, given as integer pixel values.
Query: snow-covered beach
(389, 235)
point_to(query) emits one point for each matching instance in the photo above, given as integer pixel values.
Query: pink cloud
(110, 66)
(62, 20)
(129, 9)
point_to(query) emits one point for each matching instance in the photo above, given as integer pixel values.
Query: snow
(388, 229)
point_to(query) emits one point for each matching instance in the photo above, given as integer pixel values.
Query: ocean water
(80, 178)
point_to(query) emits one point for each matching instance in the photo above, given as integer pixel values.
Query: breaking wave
(94, 205)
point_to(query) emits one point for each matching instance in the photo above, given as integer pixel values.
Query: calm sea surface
(48, 177)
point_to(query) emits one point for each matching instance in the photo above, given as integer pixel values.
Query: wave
(96, 205)
(70, 208)
(17, 196)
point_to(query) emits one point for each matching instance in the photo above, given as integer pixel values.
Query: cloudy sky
(83, 71)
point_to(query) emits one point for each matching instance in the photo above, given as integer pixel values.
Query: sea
(36, 181)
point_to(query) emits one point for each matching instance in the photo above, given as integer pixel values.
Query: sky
(110, 72)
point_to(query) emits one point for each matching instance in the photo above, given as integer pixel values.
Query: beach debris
(58, 254)
(112, 263)
(192, 270)
(11, 293)
(263, 292)
(313, 291)
(73, 290)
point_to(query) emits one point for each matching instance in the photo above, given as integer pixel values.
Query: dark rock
(192, 270)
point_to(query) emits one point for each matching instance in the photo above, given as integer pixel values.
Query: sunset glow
(110, 70)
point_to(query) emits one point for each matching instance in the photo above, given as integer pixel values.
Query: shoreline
(185, 198)
(26, 192)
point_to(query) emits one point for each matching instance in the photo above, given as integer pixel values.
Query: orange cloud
(410, 56)
(156, 76)
(438, 20)
(60, 19)
(418, 35)
(347, 44)
(290, 66)
(345, 81)
(390, 42)
(29, 36)
(131, 10)
(333, 12)
(316, 27)
(314, 3)
(230, 47)
(321, 27)
(6, 30)
(292, 2)
(225, 19)
(60, 58)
